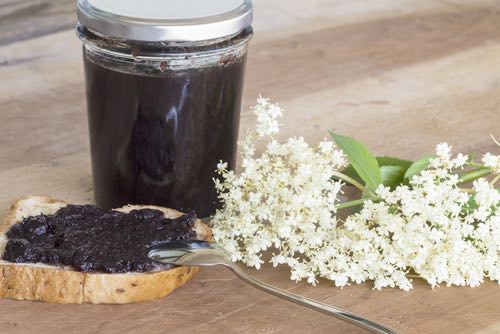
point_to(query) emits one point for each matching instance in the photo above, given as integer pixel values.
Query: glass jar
(163, 97)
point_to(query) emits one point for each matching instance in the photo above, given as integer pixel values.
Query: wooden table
(399, 75)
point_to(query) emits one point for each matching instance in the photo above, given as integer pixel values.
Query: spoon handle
(352, 318)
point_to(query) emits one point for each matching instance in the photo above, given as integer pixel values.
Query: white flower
(222, 166)
(326, 147)
(492, 161)
(461, 160)
(443, 151)
(267, 117)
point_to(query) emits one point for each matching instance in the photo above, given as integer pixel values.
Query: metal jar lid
(165, 20)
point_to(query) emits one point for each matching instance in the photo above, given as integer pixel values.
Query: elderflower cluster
(423, 230)
(285, 201)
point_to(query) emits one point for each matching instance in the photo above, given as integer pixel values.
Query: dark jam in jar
(157, 130)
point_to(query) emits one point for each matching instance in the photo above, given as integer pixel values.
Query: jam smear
(90, 239)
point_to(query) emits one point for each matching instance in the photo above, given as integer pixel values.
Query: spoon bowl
(191, 253)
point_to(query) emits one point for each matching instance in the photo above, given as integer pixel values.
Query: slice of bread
(36, 281)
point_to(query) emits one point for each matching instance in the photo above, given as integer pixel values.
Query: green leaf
(418, 166)
(363, 162)
(474, 174)
(391, 161)
(382, 161)
(392, 176)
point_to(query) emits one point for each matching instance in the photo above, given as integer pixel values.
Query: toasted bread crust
(64, 285)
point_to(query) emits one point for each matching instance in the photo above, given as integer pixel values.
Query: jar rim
(158, 58)
(114, 25)
(160, 50)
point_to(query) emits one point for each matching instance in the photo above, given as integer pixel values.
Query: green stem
(495, 180)
(475, 164)
(354, 183)
(468, 190)
(474, 174)
(350, 204)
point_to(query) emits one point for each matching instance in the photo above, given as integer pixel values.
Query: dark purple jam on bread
(90, 239)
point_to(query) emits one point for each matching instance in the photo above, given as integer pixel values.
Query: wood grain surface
(21, 20)
(400, 75)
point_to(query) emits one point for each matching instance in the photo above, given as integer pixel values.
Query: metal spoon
(202, 253)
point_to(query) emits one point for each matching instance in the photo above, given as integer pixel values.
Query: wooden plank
(21, 19)
(401, 76)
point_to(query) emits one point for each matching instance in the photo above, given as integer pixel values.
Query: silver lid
(165, 20)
